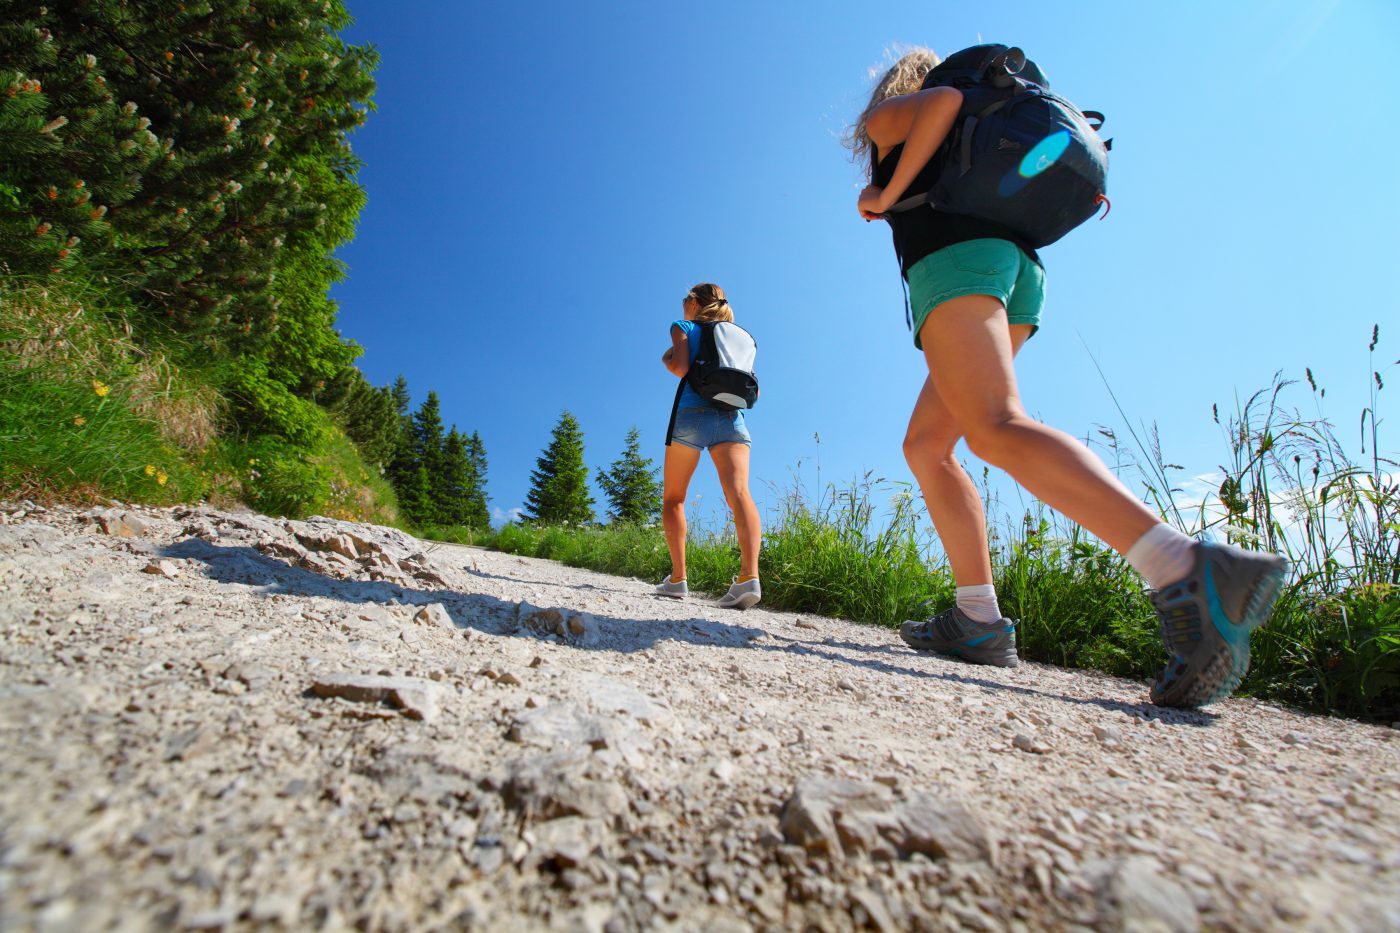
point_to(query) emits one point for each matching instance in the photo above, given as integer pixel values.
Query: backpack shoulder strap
(675, 407)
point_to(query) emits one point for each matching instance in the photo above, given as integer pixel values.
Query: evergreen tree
(477, 513)
(631, 485)
(455, 481)
(428, 481)
(368, 413)
(402, 464)
(416, 502)
(559, 483)
(195, 151)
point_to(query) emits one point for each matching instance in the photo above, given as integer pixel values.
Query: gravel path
(213, 720)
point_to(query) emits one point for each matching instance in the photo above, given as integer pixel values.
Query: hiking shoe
(1206, 619)
(953, 633)
(677, 590)
(741, 595)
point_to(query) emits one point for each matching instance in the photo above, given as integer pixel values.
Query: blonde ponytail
(713, 305)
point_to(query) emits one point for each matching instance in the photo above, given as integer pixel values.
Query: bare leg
(678, 468)
(969, 350)
(732, 463)
(949, 493)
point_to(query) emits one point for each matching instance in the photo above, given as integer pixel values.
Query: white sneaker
(673, 590)
(741, 595)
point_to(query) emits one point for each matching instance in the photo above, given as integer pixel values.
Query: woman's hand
(872, 202)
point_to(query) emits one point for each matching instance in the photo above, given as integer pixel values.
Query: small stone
(508, 679)
(215, 919)
(162, 568)
(121, 524)
(1244, 742)
(419, 699)
(189, 744)
(1108, 735)
(1133, 894)
(1294, 738)
(435, 614)
(1029, 743)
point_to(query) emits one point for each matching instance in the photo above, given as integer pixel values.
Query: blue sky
(547, 180)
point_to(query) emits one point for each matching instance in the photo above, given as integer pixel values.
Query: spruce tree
(428, 480)
(477, 515)
(455, 480)
(368, 414)
(559, 483)
(631, 485)
(402, 464)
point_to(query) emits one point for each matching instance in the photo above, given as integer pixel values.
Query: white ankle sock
(1163, 556)
(979, 603)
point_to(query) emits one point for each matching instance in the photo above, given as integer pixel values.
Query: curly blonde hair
(713, 305)
(905, 76)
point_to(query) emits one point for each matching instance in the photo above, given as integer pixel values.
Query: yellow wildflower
(161, 478)
(150, 469)
(79, 420)
(101, 388)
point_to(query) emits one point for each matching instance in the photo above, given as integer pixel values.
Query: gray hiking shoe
(741, 595)
(677, 590)
(1206, 619)
(953, 633)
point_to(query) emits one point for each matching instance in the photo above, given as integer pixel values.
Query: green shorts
(978, 267)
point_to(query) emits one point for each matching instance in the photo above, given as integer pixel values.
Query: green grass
(87, 413)
(83, 411)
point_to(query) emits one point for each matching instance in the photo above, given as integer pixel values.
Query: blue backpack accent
(1017, 155)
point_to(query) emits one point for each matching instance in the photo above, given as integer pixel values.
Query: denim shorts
(703, 428)
(978, 267)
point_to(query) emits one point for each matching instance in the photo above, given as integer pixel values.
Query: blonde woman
(976, 295)
(701, 426)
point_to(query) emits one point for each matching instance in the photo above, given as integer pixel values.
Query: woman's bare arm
(677, 359)
(920, 121)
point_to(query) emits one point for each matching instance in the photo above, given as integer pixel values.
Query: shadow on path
(246, 565)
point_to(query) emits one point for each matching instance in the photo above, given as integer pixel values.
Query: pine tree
(428, 480)
(631, 485)
(559, 483)
(194, 150)
(477, 514)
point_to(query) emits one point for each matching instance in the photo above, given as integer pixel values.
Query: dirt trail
(225, 721)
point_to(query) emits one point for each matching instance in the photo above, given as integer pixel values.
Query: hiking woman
(976, 295)
(701, 426)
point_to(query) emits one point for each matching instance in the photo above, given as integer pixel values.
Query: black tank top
(923, 230)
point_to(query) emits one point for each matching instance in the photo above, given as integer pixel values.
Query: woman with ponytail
(700, 426)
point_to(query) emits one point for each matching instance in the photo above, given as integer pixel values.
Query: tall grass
(1288, 484)
(86, 412)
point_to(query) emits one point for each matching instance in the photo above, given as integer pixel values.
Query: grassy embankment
(89, 413)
